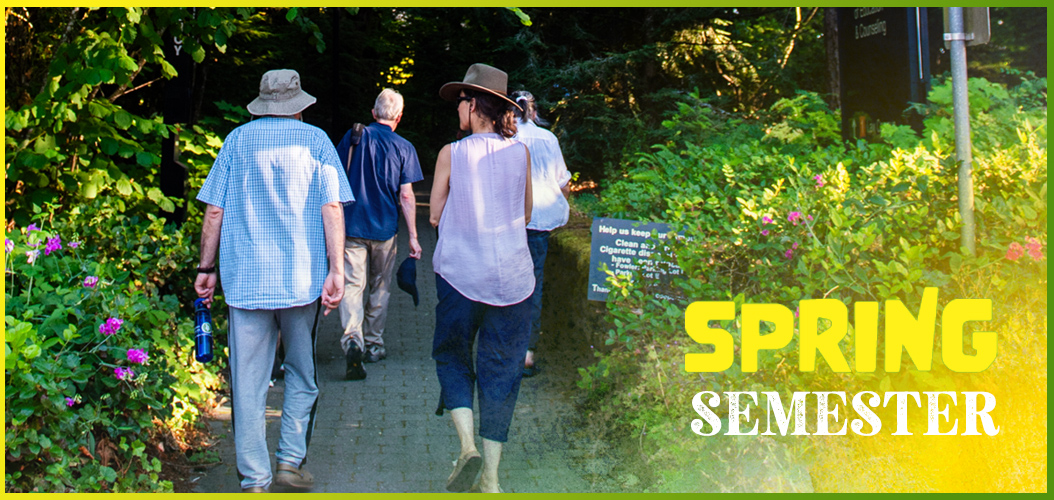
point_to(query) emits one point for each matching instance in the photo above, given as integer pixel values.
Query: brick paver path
(381, 434)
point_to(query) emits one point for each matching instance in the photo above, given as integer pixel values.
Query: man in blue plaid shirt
(274, 211)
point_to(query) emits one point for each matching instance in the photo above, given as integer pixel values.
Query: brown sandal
(290, 477)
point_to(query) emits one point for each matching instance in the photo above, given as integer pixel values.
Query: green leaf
(45, 143)
(524, 18)
(156, 196)
(145, 159)
(1029, 212)
(31, 351)
(291, 14)
(98, 110)
(105, 75)
(198, 54)
(124, 186)
(168, 70)
(133, 15)
(125, 150)
(127, 63)
(109, 475)
(122, 119)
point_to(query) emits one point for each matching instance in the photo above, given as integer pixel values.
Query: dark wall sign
(624, 246)
(178, 103)
(172, 175)
(885, 57)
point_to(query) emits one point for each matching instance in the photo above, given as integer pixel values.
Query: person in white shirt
(550, 187)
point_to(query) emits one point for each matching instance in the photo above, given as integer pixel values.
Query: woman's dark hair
(495, 109)
(530, 109)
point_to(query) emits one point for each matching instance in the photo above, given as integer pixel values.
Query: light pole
(963, 146)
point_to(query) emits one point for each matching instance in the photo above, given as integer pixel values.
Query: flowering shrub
(97, 354)
(771, 220)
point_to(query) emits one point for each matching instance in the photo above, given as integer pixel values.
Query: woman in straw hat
(481, 203)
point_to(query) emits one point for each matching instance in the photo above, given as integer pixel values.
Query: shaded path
(381, 434)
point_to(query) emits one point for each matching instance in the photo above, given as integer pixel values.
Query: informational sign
(885, 55)
(625, 246)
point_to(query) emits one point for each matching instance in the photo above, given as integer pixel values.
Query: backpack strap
(356, 137)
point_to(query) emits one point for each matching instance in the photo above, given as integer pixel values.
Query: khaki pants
(366, 261)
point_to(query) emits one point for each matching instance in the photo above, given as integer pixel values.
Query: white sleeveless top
(482, 249)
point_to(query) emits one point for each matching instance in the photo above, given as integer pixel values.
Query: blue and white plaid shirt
(271, 178)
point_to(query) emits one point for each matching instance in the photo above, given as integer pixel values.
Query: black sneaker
(354, 369)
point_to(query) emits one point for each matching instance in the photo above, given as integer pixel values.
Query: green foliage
(992, 106)
(782, 212)
(74, 141)
(71, 424)
(82, 163)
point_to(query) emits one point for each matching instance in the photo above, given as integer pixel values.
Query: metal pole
(962, 126)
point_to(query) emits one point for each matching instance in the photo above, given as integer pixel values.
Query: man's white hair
(389, 105)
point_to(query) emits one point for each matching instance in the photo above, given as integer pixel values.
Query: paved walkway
(381, 434)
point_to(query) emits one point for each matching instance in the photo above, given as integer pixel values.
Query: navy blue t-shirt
(381, 163)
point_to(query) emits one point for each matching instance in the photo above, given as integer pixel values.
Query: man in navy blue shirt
(382, 170)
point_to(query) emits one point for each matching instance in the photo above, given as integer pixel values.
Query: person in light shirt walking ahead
(274, 213)
(550, 187)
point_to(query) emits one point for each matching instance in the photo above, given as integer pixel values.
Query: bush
(97, 356)
(770, 219)
(99, 337)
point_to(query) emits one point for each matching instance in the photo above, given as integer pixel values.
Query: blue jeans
(538, 243)
(498, 368)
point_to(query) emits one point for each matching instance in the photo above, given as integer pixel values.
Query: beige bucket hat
(280, 94)
(483, 78)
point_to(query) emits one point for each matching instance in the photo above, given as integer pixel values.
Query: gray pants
(253, 336)
(366, 262)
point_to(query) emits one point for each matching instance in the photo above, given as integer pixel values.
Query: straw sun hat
(280, 94)
(482, 78)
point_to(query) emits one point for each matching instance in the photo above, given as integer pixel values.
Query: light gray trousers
(253, 337)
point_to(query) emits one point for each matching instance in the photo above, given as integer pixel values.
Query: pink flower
(819, 180)
(9, 245)
(1035, 249)
(110, 327)
(789, 253)
(1015, 251)
(31, 256)
(764, 232)
(809, 217)
(793, 217)
(53, 245)
(91, 281)
(794, 246)
(75, 244)
(766, 219)
(123, 373)
(137, 356)
(795, 312)
(70, 401)
(32, 227)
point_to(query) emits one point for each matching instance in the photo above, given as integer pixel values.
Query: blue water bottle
(202, 332)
